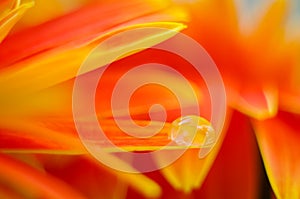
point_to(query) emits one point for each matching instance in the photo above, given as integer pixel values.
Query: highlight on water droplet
(193, 131)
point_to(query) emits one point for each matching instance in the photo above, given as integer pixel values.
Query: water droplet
(192, 131)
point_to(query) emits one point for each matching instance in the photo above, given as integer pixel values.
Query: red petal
(96, 180)
(235, 172)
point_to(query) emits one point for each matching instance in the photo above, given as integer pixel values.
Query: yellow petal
(8, 21)
(42, 11)
(69, 62)
(271, 26)
(36, 138)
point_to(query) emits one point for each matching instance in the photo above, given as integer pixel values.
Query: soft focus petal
(46, 10)
(18, 135)
(9, 19)
(253, 65)
(75, 29)
(189, 171)
(145, 185)
(67, 64)
(259, 103)
(87, 178)
(93, 179)
(32, 183)
(74, 171)
(39, 63)
(58, 135)
(6, 193)
(290, 91)
(272, 21)
(289, 101)
(278, 140)
(235, 173)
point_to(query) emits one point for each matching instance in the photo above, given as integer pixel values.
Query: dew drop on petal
(193, 131)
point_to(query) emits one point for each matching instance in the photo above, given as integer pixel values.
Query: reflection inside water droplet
(192, 131)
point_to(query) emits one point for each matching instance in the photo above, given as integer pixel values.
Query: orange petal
(77, 176)
(210, 16)
(72, 59)
(5, 192)
(74, 29)
(59, 136)
(272, 22)
(89, 179)
(175, 95)
(19, 135)
(189, 171)
(259, 103)
(95, 180)
(7, 5)
(45, 10)
(289, 95)
(30, 182)
(278, 140)
(50, 128)
(289, 101)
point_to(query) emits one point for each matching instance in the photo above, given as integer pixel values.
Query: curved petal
(278, 140)
(75, 29)
(8, 20)
(72, 59)
(259, 103)
(251, 65)
(189, 171)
